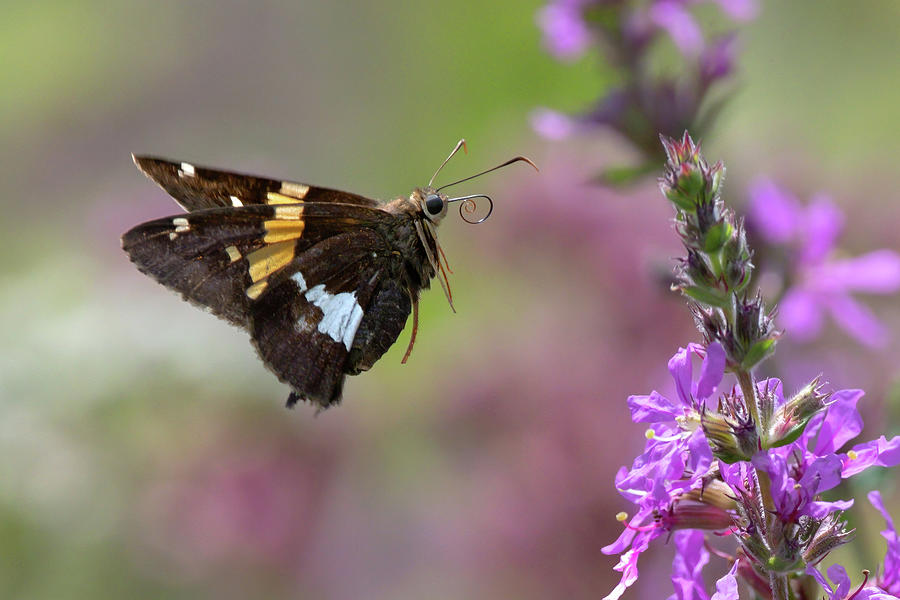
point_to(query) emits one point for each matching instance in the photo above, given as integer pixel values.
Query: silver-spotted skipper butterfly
(323, 280)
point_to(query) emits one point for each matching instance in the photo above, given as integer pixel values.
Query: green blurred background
(146, 452)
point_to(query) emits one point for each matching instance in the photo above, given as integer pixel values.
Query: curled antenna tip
(527, 160)
(469, 206)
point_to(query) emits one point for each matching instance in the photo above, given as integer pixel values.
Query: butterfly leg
(412, 338)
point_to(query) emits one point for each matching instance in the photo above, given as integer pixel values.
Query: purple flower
(566, 35)
(811, 465)
(889, 577)
(839, 588)
(802, 470)
(675, 459)
(820, 284)
(552, 124)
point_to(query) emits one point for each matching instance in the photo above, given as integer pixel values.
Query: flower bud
(731, 432)
(754, 333)
(790, 419)
(827, 534)
(689, 181)
(689, 515)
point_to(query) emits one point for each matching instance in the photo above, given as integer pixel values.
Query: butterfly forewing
(222, 258)
(199, 188)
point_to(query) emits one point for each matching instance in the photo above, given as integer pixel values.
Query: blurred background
(147, 453)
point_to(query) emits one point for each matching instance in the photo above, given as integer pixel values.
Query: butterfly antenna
(469, 206)
(459, 144)
(507, 163)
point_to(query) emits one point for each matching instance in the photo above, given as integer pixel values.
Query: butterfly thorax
(414, 234)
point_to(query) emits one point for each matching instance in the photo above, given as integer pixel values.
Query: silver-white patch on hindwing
(341, 313)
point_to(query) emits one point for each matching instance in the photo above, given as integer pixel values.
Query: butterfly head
(431, 203)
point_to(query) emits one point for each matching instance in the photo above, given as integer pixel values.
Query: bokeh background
(144, 450)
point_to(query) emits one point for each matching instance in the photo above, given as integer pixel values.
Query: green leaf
(705, 295)
(789, 437)
(716, 236)
(760, 351)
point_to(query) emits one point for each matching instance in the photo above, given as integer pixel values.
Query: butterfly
(323, 280)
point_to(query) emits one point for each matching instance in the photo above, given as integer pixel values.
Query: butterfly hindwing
(306, 324)
(385, 318)
(199, 188)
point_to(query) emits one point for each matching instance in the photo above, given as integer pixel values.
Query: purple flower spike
(821, 285)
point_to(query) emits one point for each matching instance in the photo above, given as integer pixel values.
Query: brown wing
(222, 258)
(306, 324)
(199, 188)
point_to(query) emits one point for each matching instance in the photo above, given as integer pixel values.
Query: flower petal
(823, 222)
(820, 509)
(842, 422)
(857, 320)
(682, 370)
(838, 575)
(727, 586)
(890, 573)
(880, 452)
(877, 272)
(566, 35)
(679, 24)
(711, 372)
(551, 124)
(800, 313)
(687, 566)
(654, 408)
(774, 211)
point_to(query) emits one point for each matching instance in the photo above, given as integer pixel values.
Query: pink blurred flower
(818, 283)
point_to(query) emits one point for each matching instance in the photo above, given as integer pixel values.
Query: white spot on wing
(181, 224)
(187, 170)
(235, 201)
(298, 278)
(341, 313)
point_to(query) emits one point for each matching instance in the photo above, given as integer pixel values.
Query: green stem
(780, 588)
(779, 583)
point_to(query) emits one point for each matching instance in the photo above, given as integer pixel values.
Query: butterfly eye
(434, 204)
